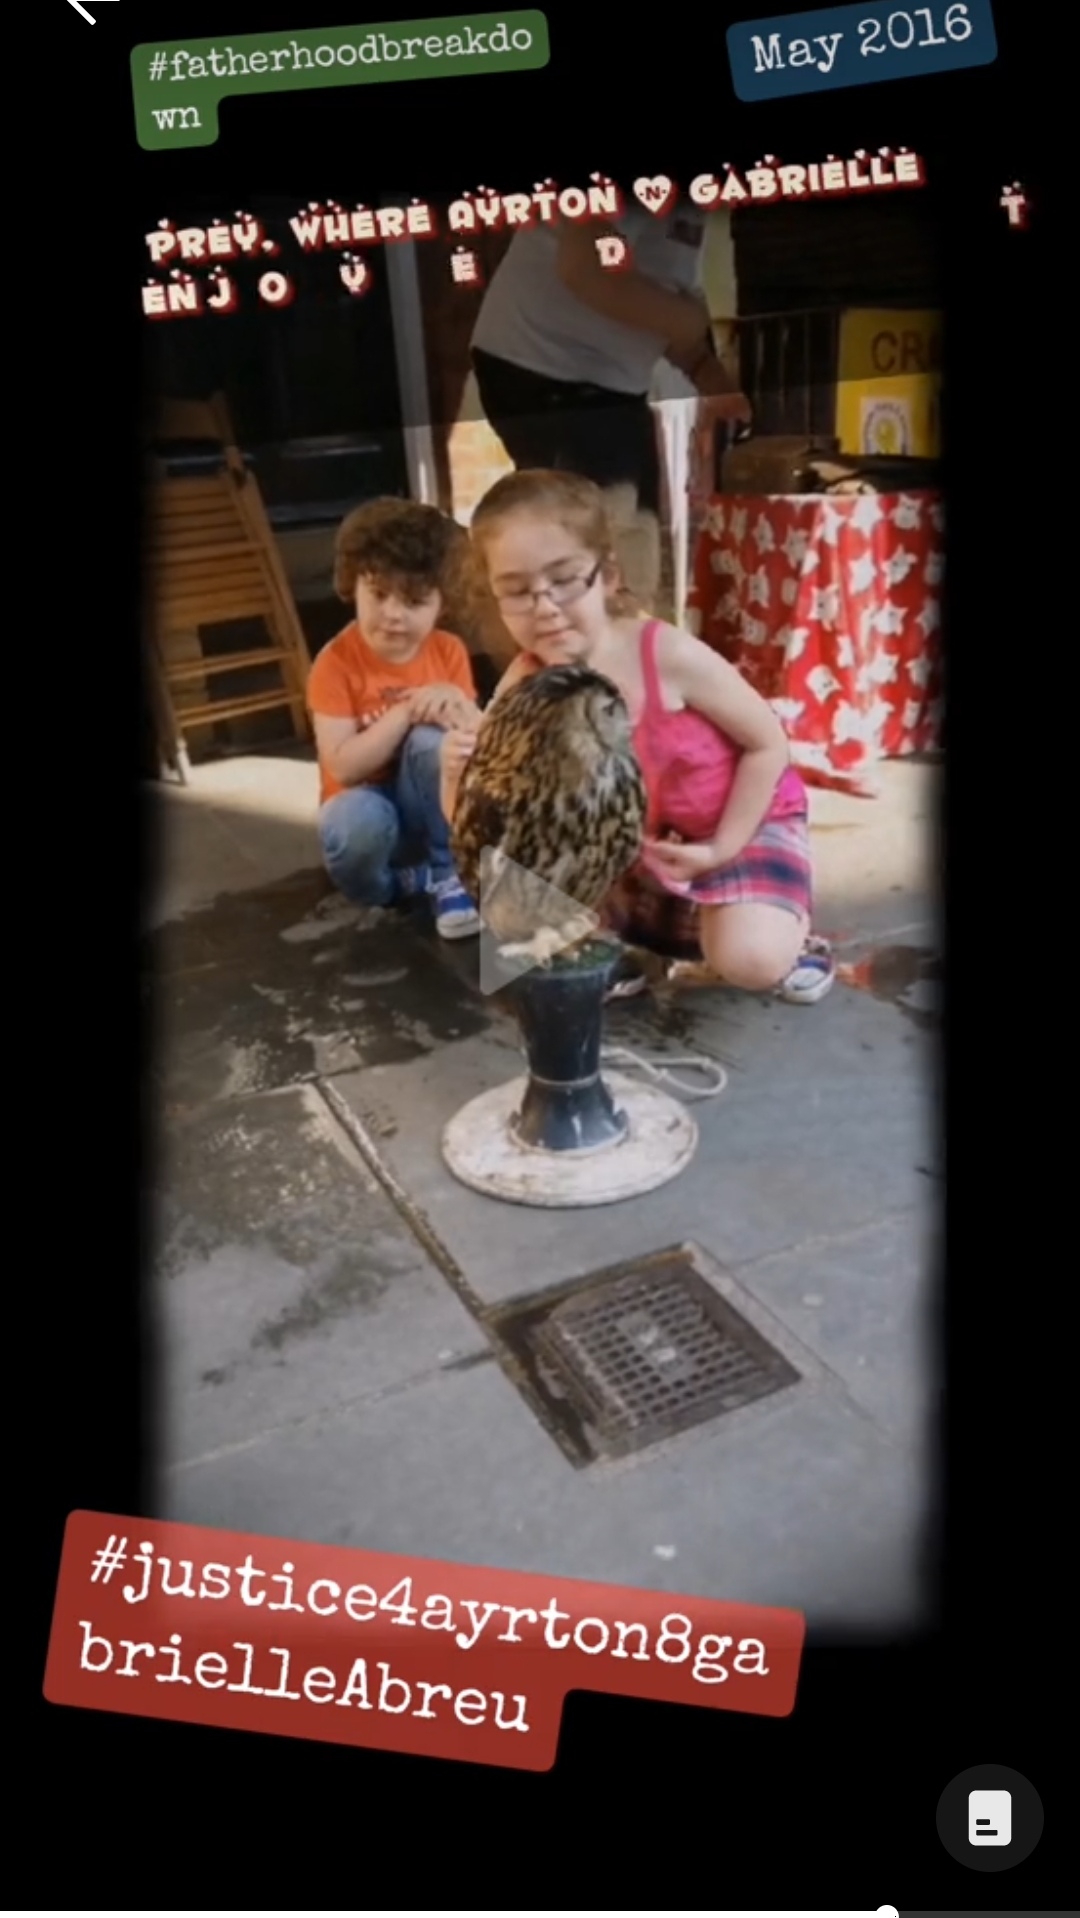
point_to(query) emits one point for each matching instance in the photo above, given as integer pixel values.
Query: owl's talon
(544, 945)
(576, 931)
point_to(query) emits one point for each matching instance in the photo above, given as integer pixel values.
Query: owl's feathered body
(552, 797)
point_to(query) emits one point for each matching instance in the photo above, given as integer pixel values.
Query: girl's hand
(458, 714)
(680, 862)
(457, 749)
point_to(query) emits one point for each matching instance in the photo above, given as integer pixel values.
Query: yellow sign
(889, 384)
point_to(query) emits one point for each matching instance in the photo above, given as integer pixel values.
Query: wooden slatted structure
(211, 559)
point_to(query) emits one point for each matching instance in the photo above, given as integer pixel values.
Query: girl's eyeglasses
(563, 592)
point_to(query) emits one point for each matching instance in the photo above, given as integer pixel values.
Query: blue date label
(854, 46)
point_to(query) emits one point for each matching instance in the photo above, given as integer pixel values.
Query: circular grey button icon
(990, 1818)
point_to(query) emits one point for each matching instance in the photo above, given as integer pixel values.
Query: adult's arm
(707, 372)
(679, 321)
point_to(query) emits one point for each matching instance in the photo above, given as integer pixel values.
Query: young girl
(725, 874)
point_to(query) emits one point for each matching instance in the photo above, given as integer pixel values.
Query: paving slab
(871, 1301)
(285, 1281)
(826, 1124)
(239, 822)
(323, 1379)
(281, 984)
(809, 1506)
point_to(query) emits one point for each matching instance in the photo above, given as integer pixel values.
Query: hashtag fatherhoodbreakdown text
(712, 1656)
(376, 49)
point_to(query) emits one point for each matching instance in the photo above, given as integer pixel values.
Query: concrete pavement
(326, 1291)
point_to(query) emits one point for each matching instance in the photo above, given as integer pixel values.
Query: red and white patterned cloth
(830, 607)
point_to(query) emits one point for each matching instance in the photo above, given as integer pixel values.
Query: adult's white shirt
(532, 320)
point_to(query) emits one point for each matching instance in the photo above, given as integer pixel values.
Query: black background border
(647, 1804)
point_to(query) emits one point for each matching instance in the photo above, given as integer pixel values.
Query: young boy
(381, 694)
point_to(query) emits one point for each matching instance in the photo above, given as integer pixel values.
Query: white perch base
(482, 1153)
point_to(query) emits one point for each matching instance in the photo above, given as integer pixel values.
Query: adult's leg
(523, 409)
(360, 832)
(631, 459)
(636, 536)
(606, 437)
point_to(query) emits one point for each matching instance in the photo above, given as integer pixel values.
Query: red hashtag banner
(400, 1654)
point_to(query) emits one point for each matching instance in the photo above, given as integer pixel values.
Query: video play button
(526, 921)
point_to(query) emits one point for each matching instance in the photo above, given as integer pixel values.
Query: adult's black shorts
(573, 427)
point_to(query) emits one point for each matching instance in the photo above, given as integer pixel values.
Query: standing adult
(565, 350)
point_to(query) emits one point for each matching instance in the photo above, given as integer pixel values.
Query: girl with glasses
(725, 876)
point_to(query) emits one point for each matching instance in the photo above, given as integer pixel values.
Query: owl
(550, 811)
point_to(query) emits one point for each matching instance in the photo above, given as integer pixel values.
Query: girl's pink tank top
(689, 764)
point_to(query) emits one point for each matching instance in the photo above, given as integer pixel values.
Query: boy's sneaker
(455, 915)
(410, 884)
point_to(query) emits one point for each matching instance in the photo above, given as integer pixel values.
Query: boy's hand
(442, 705)
(424, 705)
(463, 716)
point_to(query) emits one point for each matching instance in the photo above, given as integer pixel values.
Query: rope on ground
(660, 1072)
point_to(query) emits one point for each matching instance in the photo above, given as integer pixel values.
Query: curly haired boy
(381, 695)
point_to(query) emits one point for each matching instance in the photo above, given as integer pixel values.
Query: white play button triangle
(546, 921)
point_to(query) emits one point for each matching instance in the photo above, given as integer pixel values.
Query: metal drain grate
(638, 1354)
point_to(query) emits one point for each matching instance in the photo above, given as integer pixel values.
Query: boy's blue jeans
(368, 832)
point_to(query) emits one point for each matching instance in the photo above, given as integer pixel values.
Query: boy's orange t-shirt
(349, 681)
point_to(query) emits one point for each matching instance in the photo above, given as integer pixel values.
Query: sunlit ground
(251, 820)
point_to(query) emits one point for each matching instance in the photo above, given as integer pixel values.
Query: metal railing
(789, 367)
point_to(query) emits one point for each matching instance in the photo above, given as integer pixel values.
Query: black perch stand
(564, 1135)
(567, 1107)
